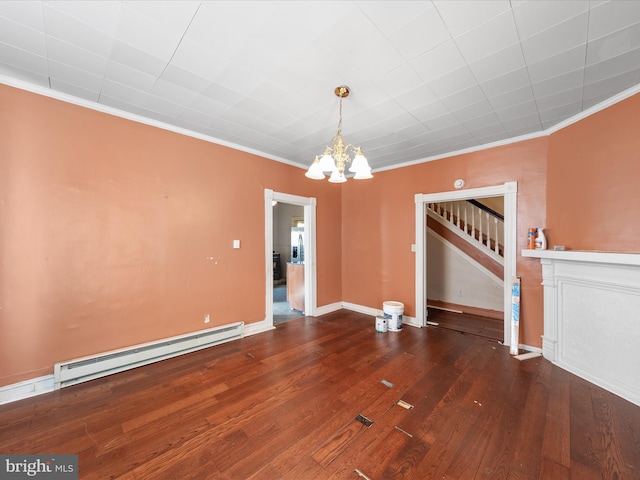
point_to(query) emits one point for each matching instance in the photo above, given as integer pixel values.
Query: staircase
(477, 224)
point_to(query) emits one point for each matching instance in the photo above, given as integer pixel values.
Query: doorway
(274, 299)
(509, 192)
(288, 262)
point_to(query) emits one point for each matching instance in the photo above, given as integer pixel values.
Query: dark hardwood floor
(282, 405)
(466, 323)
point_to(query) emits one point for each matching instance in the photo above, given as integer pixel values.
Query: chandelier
(335, 158)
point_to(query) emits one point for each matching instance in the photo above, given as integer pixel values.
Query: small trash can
(393, 312)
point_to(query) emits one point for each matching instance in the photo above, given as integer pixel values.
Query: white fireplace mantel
(592, 316)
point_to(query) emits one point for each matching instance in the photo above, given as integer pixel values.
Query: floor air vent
(88, 368)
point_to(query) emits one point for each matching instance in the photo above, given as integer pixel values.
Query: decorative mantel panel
(592, 316)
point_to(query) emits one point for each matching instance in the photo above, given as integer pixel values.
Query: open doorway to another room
(282, 210)
(288, 261)
(424, 283)
(465, 271)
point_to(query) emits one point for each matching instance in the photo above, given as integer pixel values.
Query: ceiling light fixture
(335, 158)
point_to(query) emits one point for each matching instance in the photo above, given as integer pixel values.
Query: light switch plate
(236, 244)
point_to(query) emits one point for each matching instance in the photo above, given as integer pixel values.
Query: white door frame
(510, 192)
(309, 204)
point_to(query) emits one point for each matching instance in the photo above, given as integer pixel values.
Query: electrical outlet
(207, 318)
(459, 293)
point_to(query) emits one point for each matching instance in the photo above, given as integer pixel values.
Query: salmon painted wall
(115, 233)
(592, 189)
(379, 224)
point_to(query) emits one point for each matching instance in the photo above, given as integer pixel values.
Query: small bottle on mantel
(541, 240)
(531, 238)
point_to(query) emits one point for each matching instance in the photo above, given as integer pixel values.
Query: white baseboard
(406, 320)
(257, 327)
(26, 389)
(332, 307)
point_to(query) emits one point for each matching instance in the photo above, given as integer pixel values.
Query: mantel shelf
(585, 256)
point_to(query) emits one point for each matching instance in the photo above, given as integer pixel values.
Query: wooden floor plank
(282, 405)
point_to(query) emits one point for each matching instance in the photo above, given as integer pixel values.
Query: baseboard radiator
(96, 366)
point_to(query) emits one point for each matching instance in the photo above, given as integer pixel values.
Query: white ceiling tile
(64, 52)
(614, 44)
(557, 114)
(199, 60)
(463, 15)
(23, 37)
(614, 67)
(162, 106)
(464, 98)
(144, 34)
(532, 120)
(503, 61)
(560, 38)
(471, 111)
(100, 15)
(222, 94)
(393, 16)
(516, 111)
(423, 33)
(505, 83)
(487, 38)
(440, 122)
(184, 78)
(609, 17)
(478, 123)
(26, 13)
(75, 90)
(511, 97)
(564, 62)
(568, 97)
(123, 93)
(173, 92)
(13, 71)
(418, 96)
(486, 125)
(120, 104)
(453, 82)
(412, 131)
(533, 17)
(239, 80)
(74, 76)
(209, 106)
(496, 137)
(64, 27)
(400, 80)
(174, 15)
(213, 27)
(379, 59)
(430, 110)
(611, 86)
(558, 83)
(23, 59)
(131, 77)
(438, 62)
(137, 59)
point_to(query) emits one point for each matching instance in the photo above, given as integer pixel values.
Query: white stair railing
(476, 225)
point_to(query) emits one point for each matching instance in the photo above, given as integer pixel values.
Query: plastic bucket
(393, 312)
(381, 324)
